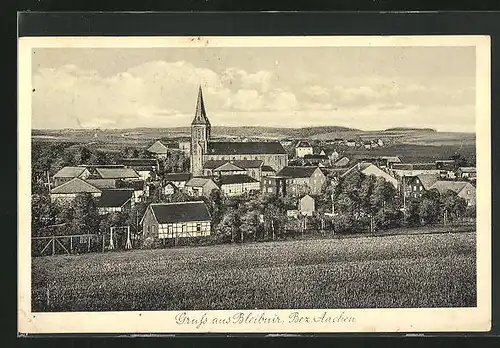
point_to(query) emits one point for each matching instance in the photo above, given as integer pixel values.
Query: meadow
(428, 270)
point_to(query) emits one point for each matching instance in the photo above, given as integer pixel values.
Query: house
(118, 173)
(379, 161)
(367, 168)
(306, 205)
(145, 167)
(68, 173)
(303, 148)
(414, 186)
(351, 143)
(367, 145)
(178, 179)
(113, 201)
(266, 171)
(413, 169)
(463, 189)
(169, 189)
(197, 187)
(315, 159)
(252, 168)
(273, 184)
(304, 179)
(344, 161)
(468, 173)
(380, 142)
(176, 220)
(292, 213)
(185, 146)
(158, 150)
(68, 191)
(139, 187)
(235, 185)
(204, 149)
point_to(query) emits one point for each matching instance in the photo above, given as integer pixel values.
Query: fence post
(88, 244)
(71, 244)
(53, 246)
(103, 240)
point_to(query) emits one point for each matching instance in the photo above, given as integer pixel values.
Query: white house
(303, 148)
(176, 220)
(235, 185)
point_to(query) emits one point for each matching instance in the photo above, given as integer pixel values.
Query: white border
(366, 320)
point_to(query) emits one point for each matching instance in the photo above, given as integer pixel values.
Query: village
(205, 190)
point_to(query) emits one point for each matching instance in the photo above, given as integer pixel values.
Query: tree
(429, 210)
(85, 216)
(179, 196)
(229, 225)
(217, 206)
(43, 213)
(452, 205)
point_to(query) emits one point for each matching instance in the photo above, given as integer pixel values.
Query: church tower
(200, 135)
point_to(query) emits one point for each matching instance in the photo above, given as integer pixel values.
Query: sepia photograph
(255, 181)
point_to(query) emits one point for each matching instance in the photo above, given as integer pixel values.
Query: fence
(83, 243)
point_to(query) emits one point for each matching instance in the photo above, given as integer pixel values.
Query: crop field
(428, 270)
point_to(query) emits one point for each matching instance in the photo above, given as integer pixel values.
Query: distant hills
(408, 129)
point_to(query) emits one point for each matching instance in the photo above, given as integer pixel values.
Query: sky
(368, 88)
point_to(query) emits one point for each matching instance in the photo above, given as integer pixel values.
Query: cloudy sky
(360, 87)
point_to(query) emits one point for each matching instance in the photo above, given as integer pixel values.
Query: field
(428, 270)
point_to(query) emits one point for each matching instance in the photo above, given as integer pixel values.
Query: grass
(428, 270)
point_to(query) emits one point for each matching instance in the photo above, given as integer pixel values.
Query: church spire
(200, 116)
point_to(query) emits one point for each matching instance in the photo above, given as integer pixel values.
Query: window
(198, 227)
(415, 188)
(468, 192)
(421, 188)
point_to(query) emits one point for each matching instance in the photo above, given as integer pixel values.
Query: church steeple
(200, 116)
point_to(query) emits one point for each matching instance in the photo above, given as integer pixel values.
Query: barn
(176, 220)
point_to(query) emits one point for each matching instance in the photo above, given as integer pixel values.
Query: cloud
(282, 100)
(245, 99)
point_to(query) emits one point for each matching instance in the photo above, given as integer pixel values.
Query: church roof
(242, 164)
(200, 115)
(245, 148)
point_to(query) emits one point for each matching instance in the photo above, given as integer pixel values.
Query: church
(204, 151)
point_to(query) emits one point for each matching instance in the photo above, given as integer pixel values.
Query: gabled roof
(297, 171)
(114, 198)
(70, 172)
(361, 166)
(117, 173)
(267, 169)
(102, 183)
(138, 162)
(242, 164)
(427, 180)
(244, 148)
(236, 179)
(303, 143)
(177, 176)
(75, 185)
(158, 148)
(180, 212)
(228, 167)
(443, 186)
(342, 161)
(315, 156)
(198, 182)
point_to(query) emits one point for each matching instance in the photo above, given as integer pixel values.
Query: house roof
(102, 183)
(228, 167)
(244, 148)
(69, 172)
(236, 179)
(358, 167)
(467, 169)
(243, 164)
(267, 169)
(414, 166)
(315, 156)
(443, 186)
(198, 182)
(117, 173)
(75, 185)
(297, 171)
(158, 148)
(303, 143)
(138, 162)
(177, 176)
(180, 212)
(114, 198)
(137, 185)
(427, 180)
